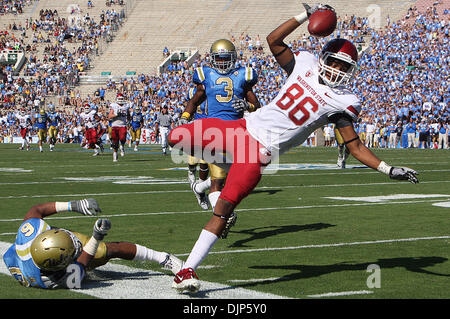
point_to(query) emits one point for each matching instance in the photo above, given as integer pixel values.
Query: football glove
(240, 105)
(404, 173)
(184, 119)
(310, 10)
(88, 207)
(101, 228)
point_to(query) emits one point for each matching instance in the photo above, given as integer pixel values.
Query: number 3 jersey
(220, 89)
(302, 106)
(20, 263)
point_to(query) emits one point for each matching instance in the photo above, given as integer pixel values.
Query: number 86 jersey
(302, 106)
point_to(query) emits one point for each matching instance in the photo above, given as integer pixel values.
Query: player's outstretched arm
(277, 46)
(365, 156)
(87, 207)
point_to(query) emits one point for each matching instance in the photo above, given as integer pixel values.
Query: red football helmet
(120, 99)
(339, 51)
(86, 108)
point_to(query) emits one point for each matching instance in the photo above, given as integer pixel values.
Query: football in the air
(322, 22)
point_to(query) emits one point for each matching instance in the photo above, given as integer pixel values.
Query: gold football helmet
(223, 55)
(54, 249)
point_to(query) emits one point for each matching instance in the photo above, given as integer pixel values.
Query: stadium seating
(152, 25)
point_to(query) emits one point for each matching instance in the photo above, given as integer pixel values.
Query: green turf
(288, 209)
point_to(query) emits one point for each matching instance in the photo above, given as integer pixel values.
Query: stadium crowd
(403, 77)
(13, 6)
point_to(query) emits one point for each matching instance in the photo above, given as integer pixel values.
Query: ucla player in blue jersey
(227, 91)
(46, 257)
(54, 120)
(40, 122)
(137, 120)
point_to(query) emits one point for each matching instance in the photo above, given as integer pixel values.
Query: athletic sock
(203, 186)
(213, 198)
(144, 253)
(201, 249)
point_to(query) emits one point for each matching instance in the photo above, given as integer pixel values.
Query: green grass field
(305, 232)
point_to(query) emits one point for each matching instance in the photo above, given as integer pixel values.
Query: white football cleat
(202, 199)
(191, 177)
(186, 280)
(341, 163)
(172, 263)
(114, 156)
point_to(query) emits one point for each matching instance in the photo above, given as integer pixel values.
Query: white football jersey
(24, 120)
(302, 106)
(88, 119)
(121, 113)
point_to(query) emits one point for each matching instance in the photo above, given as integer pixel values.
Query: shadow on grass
(269, 231)
(413, 264)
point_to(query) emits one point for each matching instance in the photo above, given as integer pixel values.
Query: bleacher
(137, 45)
(152, 25)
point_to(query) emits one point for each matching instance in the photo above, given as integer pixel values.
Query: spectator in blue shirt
(411, 131)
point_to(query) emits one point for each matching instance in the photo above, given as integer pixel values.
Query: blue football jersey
(220, 89)
(53, 119)
(18, 258)
(202, 109)
(136, 120)
(41, 121)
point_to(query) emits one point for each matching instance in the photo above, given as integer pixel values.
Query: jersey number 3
(292, 94)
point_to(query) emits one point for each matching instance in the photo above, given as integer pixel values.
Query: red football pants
(209, 138)
(23, 132)
(91, 136)
(118, 134)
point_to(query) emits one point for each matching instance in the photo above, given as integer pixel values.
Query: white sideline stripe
(188, 191)
(114, 281)
(383, 241)
(343, 293)
(237, 210)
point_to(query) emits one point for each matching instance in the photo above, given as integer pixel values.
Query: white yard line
(187, 191)
(240, 281)
(342, 293)
(370, 242)
(237, 210)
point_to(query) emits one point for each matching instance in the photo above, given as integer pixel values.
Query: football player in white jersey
(314, 95)
(25, 124)
(119, 115)
(90, 128)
